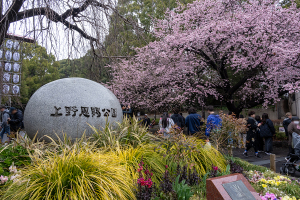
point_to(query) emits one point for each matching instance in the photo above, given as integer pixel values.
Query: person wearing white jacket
(165, 124)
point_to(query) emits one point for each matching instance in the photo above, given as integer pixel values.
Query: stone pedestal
(234, 186)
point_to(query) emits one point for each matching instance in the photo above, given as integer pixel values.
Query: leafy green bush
(13, 154)
(183, 191)
(247, 166)
(280, 136)
(157, 121)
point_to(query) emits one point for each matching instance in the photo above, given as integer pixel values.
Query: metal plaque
(238, 191)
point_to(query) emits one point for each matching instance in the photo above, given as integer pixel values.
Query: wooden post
(273, 162)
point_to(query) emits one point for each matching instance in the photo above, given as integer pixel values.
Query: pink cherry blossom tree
(242, 53)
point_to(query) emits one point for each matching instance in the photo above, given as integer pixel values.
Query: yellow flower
(263, 180)
(264, 185)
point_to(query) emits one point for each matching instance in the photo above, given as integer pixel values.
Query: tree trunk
(231, 107)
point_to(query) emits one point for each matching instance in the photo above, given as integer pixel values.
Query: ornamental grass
(130, 132)
(131, 157)
(106, 165)
(191, 151)
(73, 175)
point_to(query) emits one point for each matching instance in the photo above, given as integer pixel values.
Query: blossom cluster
(215, 168)
(200, 44)
(144, 181)
(276, 181)
(255, 176)
(3, 179)
(272, 187)
(148, 183)
(288, 198)
(272, 196)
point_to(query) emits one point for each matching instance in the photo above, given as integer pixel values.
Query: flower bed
(129, 163)
(273, 186)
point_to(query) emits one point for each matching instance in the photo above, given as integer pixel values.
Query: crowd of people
(12, 122)
(258, 135)
(193, 121)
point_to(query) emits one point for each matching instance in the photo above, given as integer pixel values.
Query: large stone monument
(69, 106)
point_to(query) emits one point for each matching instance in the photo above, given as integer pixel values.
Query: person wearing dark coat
(127, 111)
(260, 140)
(178, 119)
(146, 120)
(16, 119)
(267, 131)
(251, 139)
(286, 122)
(193, 122)
(182, 118)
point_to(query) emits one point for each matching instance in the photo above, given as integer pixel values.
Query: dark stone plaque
(238, 191)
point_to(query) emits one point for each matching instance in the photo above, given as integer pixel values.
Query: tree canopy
(38, 69)
(122, 38)
(229, 50)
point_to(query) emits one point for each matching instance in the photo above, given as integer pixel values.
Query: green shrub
(13, 154)
(247, 166)
(280, 136)
(183, 191)
(157, 121)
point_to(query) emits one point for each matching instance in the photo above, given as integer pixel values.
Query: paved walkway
(280, 153)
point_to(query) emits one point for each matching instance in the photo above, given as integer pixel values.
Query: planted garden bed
(126, 163)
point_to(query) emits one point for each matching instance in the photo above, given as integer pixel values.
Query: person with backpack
(267, 131)
(165, 124)
(16, 119)
(251, 140)
(213, 121)
(178, 119)
(5, 117)
(193, 121)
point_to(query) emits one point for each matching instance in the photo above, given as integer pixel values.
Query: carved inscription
(106, 112)
(56, 114)
(85, 111)
(238, 191)
(114, 112)
(96, 111)
(70, 109)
